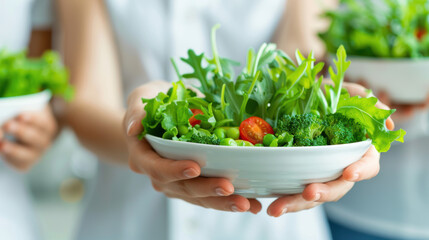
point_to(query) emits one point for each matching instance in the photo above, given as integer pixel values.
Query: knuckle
(201, 203)
(155, 176)
(185, 189)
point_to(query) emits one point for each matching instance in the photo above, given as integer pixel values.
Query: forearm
(300, 25)
(99, 129)
(96, 112)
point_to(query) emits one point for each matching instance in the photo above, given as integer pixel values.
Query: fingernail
(317, 197)
(221, 192)
(190, 173)
(234, 208)
(283, 211)
(130, 125)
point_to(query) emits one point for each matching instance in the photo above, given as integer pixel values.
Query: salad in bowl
(28, 84)
(388, 42)
(272, 129)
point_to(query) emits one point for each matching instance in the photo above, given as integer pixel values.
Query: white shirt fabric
(395, 203)
(123, 204)
(17, 219)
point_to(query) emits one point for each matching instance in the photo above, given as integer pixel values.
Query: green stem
(176, 69)
(214, 49)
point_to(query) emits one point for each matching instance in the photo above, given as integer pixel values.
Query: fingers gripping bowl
(28, 84)
(265, 172)
(271, 130)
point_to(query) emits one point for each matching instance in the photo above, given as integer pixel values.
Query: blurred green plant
(385, 29)
(20, 75)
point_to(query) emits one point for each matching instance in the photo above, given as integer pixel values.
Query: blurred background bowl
(405, 80)
(265, 171)
(12, 106)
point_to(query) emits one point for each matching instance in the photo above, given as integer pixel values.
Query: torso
(148, 33)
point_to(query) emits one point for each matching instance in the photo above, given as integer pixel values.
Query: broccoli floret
(340, 129)
(199, 136)
(299, 141)
(320, 141)
(301, 126)
(204, 139)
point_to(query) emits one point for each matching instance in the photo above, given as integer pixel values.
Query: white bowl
(265, 171)
(12, 106)
(405, 80)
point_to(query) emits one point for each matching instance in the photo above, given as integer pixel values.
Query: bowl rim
(43, 92)
(295, 148)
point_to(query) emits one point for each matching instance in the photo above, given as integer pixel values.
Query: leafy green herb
(22, 76)
(386, 29)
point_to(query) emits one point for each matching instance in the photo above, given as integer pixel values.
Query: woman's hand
(317, 193)
(404, 112)
(176, 179)
(32, 132)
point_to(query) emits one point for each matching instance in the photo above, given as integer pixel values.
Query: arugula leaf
(208, 118)
(341, 64)
(200, 73)
(363, 111)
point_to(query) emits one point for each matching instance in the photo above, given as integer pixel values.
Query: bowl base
(265, 193)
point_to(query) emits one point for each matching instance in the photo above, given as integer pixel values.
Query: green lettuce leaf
(363, 111)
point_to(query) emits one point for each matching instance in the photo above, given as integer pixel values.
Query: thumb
(134, 115)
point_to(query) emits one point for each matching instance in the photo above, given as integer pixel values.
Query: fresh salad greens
(273, 102)
(385, 29)
(22, 76)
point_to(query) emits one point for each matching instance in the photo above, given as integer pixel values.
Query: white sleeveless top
(123, 205)
(17, 219)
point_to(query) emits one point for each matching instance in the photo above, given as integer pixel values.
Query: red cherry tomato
(254, 129)
(420, 33)
(192, 120)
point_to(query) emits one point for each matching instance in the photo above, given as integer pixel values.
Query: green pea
(268, 138)
(183, 129)
(259, 145)
(243, 143)
(197, 126)
(233, 133)
(228, 142)
(240, 143)
(220, 133)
